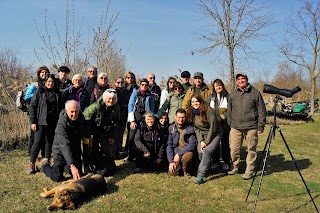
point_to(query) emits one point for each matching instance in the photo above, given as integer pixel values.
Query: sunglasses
(152, 78)
(111, 91)
(119, 82)
(103, 78)
(177, 88)
(143, 85)
(129, 77)
(171, 82)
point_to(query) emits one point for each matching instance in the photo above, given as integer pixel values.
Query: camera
(284, 92)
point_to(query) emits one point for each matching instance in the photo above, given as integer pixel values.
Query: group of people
(184, 127)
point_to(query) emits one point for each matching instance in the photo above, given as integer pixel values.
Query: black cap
(144, 80)
(185, 74)
(64, 69)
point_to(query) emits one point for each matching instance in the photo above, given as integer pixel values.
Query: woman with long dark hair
(207, 129)
(218, 100)
(44, 112)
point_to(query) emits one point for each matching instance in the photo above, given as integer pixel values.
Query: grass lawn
(282, 189)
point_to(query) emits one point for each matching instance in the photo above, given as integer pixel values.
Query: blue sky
(156, 36)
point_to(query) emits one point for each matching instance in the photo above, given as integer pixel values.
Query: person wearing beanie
(198, 87)
(185, 78)
(63, 81)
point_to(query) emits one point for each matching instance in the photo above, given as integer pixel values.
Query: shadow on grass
(275, 163)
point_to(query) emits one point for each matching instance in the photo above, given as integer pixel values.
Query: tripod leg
(269, 138)
(294, 161)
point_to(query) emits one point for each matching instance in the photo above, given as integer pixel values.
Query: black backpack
(21, 103)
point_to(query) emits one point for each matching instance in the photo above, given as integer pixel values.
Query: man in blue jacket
(181, 145)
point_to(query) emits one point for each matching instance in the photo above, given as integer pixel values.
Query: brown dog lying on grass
(72, 192)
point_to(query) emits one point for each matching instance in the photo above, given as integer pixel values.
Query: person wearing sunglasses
(91, 80)
(130, 81)
(198, 87)
(140, 102)
(123, 100)
(165, 92)
(101, 86)
(173, 102)
(102, 118)
(155, 89)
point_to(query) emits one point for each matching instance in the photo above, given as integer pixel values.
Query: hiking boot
(200, 179)
(40, 164)
(247, 176)
(137, 170)
(233, 172)
(225, 166)
(214, 166)
(32, 169)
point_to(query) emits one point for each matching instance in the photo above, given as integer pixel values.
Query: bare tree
(70, 50)
(233, 23)
(303, 50)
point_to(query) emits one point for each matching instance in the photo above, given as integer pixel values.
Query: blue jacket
(173, 141)
(149, 104)
(29, 93)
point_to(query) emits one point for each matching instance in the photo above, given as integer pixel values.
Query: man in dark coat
(156, 91)
(66, 145)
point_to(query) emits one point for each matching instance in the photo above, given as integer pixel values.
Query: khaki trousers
(185, 164)
(236, 139)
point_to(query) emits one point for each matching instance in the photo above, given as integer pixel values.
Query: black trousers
(43, 137)
(225, 150)
(119, 139)
(55, 172)
(130, 146)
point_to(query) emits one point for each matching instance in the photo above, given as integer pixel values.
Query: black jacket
(97, 92)
(38, 111)
(156, 90)
(67, 140)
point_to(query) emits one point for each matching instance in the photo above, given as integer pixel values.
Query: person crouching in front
(149, 144)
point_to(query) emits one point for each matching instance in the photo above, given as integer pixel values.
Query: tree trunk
(312, 95)
(231, 61)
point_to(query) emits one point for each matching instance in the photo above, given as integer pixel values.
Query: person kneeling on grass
(181, 145)
(149, 143)
(66, 145)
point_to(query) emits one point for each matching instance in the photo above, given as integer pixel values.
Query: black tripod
(266, 152)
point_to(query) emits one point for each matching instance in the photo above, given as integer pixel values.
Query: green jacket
(205, 92)
(206, 132)
(172, 103)
(102, 119)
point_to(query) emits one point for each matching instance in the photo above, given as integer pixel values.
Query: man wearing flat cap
(246, 116)
(198, 87)
(185, 77)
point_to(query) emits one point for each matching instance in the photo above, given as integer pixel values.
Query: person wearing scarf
(101, 86)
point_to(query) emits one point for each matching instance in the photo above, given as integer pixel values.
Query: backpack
(20, 102)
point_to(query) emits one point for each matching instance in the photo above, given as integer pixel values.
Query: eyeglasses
(103, 78)
(111, 91)
(171, 82)
(77, 80)
(152, 78)
(91, 70)
(177, 88)
(144, 85)
(129, 77)
(119, 82)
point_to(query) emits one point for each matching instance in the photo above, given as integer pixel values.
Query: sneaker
(32, 169)
(137, 170)
(233, 172)
(40, 164)
(199, 180)
(225, 166)
(247, 176)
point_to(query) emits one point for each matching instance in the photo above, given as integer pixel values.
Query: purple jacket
(173, 141)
